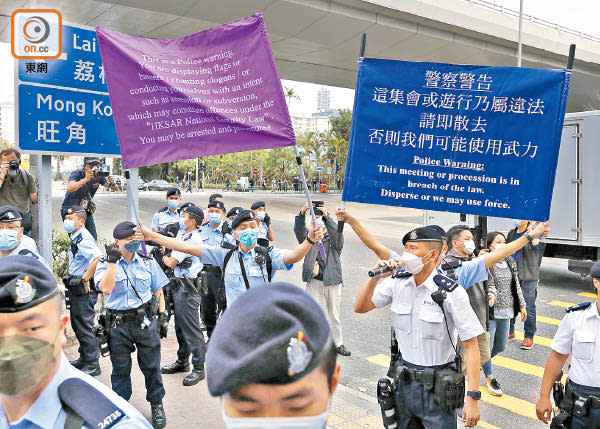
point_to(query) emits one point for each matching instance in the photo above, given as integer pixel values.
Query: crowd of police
(270, 349)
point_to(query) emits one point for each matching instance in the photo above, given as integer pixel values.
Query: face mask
(308, 422)
(499, 245)
(69, 225)
(182, 224)
(24, 362)
(248, 237)
(260, 215)
(320, 223)
(173, 204)
(9, 239)
(516, 223)
(12, 172)
(412, 263)
(214, 218)
(469, 246)
(133, 246)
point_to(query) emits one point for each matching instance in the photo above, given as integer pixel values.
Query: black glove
(113, 254)
(186, 263)
(163, 324)
(76, 281)
(226, 229)
(267, 220)
(171, 230)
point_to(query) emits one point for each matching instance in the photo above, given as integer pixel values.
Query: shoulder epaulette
(445, 283)
(96, 410)
(26, 252)
(451, 264)
(141, 255)
(228, 245)
(578, 307)
(401, 274)
(164, 209)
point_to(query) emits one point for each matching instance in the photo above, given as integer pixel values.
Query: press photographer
(17, 187)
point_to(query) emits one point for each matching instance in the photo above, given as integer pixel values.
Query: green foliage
(340, 126)
(60, 247)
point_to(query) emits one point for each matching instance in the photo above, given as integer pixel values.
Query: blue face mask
(173, 204)
(320, 223)
(9, 239)
(12, 172)
(133, 246)
(248, 237)
(69, 225)
(517, 223)
(182, 224)
(214, 218)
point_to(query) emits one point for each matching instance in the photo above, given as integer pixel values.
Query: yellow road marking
(561, 304)
(588, 295)
(486, 425)
(542, 341)
(510, 403)
(379, 359)
(547, 320)
(522, 367)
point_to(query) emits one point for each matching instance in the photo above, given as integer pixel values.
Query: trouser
(530, 295)
(483, 342)
(213, 302)
(498, 341)
(329, 298)
(187, 326)
(578, 421)
(124, 338)
(82, 322)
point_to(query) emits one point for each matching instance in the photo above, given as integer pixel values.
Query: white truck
(575, 209)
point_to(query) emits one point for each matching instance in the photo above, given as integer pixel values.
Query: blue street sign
(55, 120)
(319, 169)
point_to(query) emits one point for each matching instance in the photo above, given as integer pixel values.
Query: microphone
(385, 269)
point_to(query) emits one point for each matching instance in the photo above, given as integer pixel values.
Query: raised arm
(293, 256)
(514, 246)
(171, 243)
(365, 236)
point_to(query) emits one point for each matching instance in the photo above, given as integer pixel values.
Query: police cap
(173, 191)
(10, 214)
(243, 216)
(75, 209)
(424, 233)
(441, 230)
(257, 205)
(272, 334)
(235, 211)
(24, 283)
(195, 211)
(124, 230)
(91, 160)
(218, 204)
(595, 271)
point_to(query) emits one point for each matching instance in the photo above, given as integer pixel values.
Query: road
(367, 336)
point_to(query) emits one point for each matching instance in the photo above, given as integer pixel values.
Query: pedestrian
(189, 185)
(323, 277)
(339, 184)
(17, 187)
(577, 336)
(38, 387)
(186, 290)
(82, 187)
(285, 185)
(314, 183)
(265, 231)
(507, 301)
(272, 361)
(248, 265)
(280, 184)
(83, 255)
(132, 285)
(169, 214)
(227, 185)
(251, 185)
(527, 260)
(426, 347)
(273, 184)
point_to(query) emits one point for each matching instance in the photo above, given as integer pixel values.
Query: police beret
(10, 214)
(75, 209)
(218, 204)
(91, 159)
(124, 230)
(193, 210)
(273, 334)
(441, 230)
(243, 216)
(184, 205)
(595, 271)
(24, 283)
(173, 191)
(257, 205)
(424, 233)
(235, 211)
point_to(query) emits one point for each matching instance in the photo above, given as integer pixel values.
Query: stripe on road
(561, 304)
(588, 295)
(547, 320)
(542, 341)
(522, 367)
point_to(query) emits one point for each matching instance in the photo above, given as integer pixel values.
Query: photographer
(82, 187)
(17, 186)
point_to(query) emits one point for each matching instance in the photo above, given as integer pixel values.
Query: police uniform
(263, 228)
(132, 324)
(234, 212)
(166, 215)
(82, 251)
(256, 273)
(422, 337)
(70, 397)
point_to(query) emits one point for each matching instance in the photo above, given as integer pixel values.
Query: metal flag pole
(132, 176)
(363, 46)
(520, 44)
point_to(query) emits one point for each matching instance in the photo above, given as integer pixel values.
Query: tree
(290, 94)
(340, 126)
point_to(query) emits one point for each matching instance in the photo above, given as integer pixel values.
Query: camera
(317, 207)
(99, 172)
(14, 165)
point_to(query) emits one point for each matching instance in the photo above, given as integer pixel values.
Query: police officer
(282, 371)
(247, 265)
(11, 236)
(420, 319)
(232, 213)
(38, 387)
(186, 297)
(265, 232)
(578, 336)
(84, 255)
(169, 214)
(132, 284)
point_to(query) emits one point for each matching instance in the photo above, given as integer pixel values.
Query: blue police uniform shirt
(214, 236)
(25, 249)
(234, 281)
(74, 198)
(47, 411)
(469, 273)
(164, 218)
(192, 237)
(29, 243)
(87, 251)
(145, 274)
(263, 230)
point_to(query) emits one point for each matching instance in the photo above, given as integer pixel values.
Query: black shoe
(77, 363)
(194, 377)
(342, 350)
(91, 368)
(177, 366)
(159, 419)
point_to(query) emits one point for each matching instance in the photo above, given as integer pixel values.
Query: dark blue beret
(24, 283)
(257, 205)
(425, 233)
(218, 204)
(441, 230)
(173, 191)
(10, 214)
(235, 211)
(272, 334)
(124, 230)
(75, 209)
(595, 271)
(194, 210)
(91, 159)
(243, 216)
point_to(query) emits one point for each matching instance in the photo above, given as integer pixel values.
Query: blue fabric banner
(460, 138)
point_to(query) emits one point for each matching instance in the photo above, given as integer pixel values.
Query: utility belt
(215, 269)
(116, 317)
(191, 285)
(579, 403)
(74, 285)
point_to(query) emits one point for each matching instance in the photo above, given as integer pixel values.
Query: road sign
(319, 169)
(329, 170)
(255, 171)
(63, 107)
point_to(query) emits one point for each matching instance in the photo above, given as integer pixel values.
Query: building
(323, 98)
(304, 123)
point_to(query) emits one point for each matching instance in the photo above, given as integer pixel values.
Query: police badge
(298, 354)
(24, 291)
(413, 234)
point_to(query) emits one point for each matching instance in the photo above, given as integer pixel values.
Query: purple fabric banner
(213, 92)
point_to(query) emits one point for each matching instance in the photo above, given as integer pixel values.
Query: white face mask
(469, 246)
(307, 422)
(499, 245)
(412, 263)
